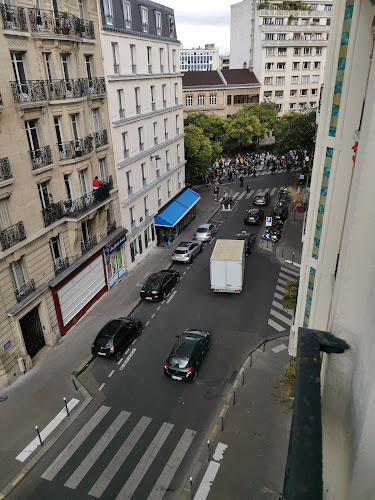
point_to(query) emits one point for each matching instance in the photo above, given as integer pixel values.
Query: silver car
(187, 251)
(205, 232)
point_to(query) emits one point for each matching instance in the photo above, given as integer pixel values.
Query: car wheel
(139, 330)
(195, 376)
(201, 248)
(177, 279)
(118, 355)
(163, 296)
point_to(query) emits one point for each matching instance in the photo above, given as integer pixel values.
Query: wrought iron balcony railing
(109, 181)
(67, 89)
(134, 68)
(75, 149)
(85, 247)
(116, 69)
(29, 91)
(101, 138)
(150, 69)
(24, 290)
(121, 113)
(12, 235)
(5, 171)
(75, 208)
(96, 85)
(153, 106)
(60, 264)
(14, 18)
(41, 157)
(138, 110)
(60, 23)
(53, 213)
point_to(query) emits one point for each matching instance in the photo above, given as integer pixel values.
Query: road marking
(165, 478)
(184, 273)
(235, 195)
(282, 282)
(146, 325)
(158, 308)
(164, 300)
(153, 316)
(171, 297)
(113, 467)
(293, 263)
(134, 341)
(285, 270)
(145, 462)
(266, 190)
(112, 372)
(127, 359)
(241, 196)
(97, 450)
(278, 296)
(279, 348)
(283, 275)
(222, 413)
(219, 452)
(16, 481)
(249, 195)
(280, 288)
(280, 306)
(272, 191)
(276, 326)
(235, 384)
(229, 397)
(101, 387)
(281, 317)
(127, 350)
(120, 361)
(214, 429)
(188, 267)
(210, 474)
(75, 443)
(31, 447)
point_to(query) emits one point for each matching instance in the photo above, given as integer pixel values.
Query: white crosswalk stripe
(249, 195)
(273, 191)
(293, 273)
(280, 316)
(287, 277)
(235, 195)
(276, 326)
(241, 195)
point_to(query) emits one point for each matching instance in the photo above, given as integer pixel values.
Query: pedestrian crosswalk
(120, 437)
(280, 318)
(239, 195)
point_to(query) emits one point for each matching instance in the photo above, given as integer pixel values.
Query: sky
(202, 21)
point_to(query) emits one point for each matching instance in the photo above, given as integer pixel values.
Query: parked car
(272, 233)
(249, 240)
(261, 199)
(115, 337)
(187, 355)
(280, 211)
(205, 232)
(158, 285)
(254, 216)
(187, 251)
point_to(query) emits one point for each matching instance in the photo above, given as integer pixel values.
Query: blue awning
(174, 212)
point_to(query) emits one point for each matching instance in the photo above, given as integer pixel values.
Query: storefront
(114, 258)
(174, 217)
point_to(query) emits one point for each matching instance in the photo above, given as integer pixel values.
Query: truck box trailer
(227, 266)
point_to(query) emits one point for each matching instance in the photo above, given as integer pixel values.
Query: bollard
(191, 486)
(75, 386)
(209, 451)
(40, 439)
(294, 216)
(243, 378)
(234, 398)
(264, 346)
(282, 253)
(66, 407)
(222, 424)
(293, 258)
(267, 242)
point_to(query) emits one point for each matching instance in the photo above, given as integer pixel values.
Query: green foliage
(266, 112)
(290, 377)
(290, 295)
(199, 152)
(242, 127)
(211, 124)
(295, 131)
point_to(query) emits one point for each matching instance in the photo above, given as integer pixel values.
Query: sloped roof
(233, 77)
(201, 78)
(239, 76)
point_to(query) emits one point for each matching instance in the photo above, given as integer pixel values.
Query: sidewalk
(37, 397)
(289, 247)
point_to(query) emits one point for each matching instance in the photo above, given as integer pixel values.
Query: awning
(174, 212)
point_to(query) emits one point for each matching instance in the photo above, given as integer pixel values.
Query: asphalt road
(139, 400)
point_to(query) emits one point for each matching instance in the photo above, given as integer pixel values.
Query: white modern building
(198, 59)
(224, 61)
(144, 85)
(286, 49)
(337, 275)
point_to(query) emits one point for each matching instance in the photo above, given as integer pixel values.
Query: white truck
(227, 266)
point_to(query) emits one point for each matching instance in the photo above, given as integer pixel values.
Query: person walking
(166, 242)
(241, 180)
(248, 188)
(216, 193)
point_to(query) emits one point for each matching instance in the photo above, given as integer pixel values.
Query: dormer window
(158, 22)
(127, 14)
(144, 13)
(171, 25)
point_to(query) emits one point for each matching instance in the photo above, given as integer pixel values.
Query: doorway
(32, 332)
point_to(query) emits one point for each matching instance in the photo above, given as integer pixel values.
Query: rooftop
(224, 77)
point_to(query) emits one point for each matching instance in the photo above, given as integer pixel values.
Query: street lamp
(157, 157)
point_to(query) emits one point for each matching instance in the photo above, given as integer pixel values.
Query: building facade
(198, 59)
(220, 92)
(224, 62)
(337, 278)
(286, 49)
(54, 141)
(144, 85)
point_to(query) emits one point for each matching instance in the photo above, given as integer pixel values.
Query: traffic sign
(301, 176)
(268, 221)
(267, 236)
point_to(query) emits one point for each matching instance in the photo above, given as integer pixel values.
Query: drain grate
(3, 398)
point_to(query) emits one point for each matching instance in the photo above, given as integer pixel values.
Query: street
(142, 422)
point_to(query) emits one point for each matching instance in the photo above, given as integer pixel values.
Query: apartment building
(285, 44)
(337, 279)
(199, 59)
(144, 86)
(54, 141)
(224, 62)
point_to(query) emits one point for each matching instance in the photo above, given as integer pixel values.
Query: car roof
(252, 210)
(110, 328)
(203, 225)
(240, 236)
(184, 244)
(260, 194)
(185, 345)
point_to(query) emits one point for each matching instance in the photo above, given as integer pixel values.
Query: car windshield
(180, 251)
(109, 329)
(177, 362)
(277, 210)
(260, 195)
(202, 229)
(240, 237)
(152, 283)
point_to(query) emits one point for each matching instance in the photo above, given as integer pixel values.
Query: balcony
(138, 110)
(12, 235)
(150, 69)
(24, 290)
(101, 138)
(41, 157)
(164, 103)
(75, 149)
(134, 69)
(153, 106)
(60, 264)
(67, 89)
(14, 18)
(47, 22)
(75, 208)
(29, 91)
(111, 227)
(96, 86)
(5, 171)
(53, 213)
(85, 247)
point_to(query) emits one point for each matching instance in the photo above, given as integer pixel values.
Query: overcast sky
(202, 21)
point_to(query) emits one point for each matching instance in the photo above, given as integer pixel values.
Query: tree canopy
(211, 124)
(199, 152)
(295, 131)
(266, 112)
(242, 127)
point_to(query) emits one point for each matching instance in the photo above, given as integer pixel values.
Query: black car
(187, 355)
(261, 199)
(254, 216)
(158, 285)
(280, 211)
(249, 240)
(115, 336)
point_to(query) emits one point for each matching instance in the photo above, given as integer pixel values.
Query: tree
(266, 112)
(211, 124)
(242, 127)
(295, 131)
(199, 152)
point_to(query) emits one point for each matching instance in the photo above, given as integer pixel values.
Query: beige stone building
(55, 230)
(222, 92)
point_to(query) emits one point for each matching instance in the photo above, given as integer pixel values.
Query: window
(317, 65)
(229, 100)
(294, 79)
(133, 59)
(169, 188)
(297, 51)
(270, 51)
(19, 67)
(133, 249)
(318, 51)
(149, 59)
(303, 92)
(315, 79)
(127, 14)
(279, 93)
(269, 36)
(297, 36)
(83, 180)
(161, 58)
(306, 65)
(88, 67)
(293, 93)
(201, 100)
(68, 186)
(267, 20)
(176, 93)
(166, 128)
(125, 144)
(132, 215)
(307, 51)
(316, 21)
(189, 100)
(102, 169)
(328, 8)
(155, 127)
(282, 52)
(108, 11)
(293, 22)
(280, 66)
(159, 196)
(32, 135)
(129, 181)
(280, 107)
(268, 80)
(304, 22)
(295, 65)
(81, 9)
(171, 25)
(179, 180)
(137, 92)
(313, 7)
(86, 234)
(116, 66)
(18, 273)
(5, 220)
(178, 154)
(140, 139)
(318, 36)
(177, 127)
(280, 36)
(292, 105)
(302, 105)
(212, 99)
(158, 22)
(267, 94)
(307, 36)
(152, 97)
(279, 21)
(268, 66)
(48, 65)
(280, 80)
(144, 15)
(314, 92)
(305, 79)
(74, 127)
(328, 22)
(145, 204)
(56, 247)
(45, 194)
(146, 237)
(95, 119)
(143, 172)
(174, 60)
(312, 105)
(120, 99)
(167, 160)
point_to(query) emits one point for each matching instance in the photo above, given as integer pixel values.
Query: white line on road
(208, 479)
(241, 196)
(171, 297)
(120, 361)
(272, 191)
(285, 270)
(280, 306)
(112, 372)
(128, 359)
(282, 282)
(293, 263)
(280, 288)
(134, 341)
(31, 447)
(158, 308)
(235, 195)
(280, 317)
(279, 348)
(283, 275)
(219, 452)
(278, 296)
(101, 387)
(276, 326)
(147, 323)
(127, 350)
(188, 267)
(184, 273)
(74, 444)
(153, 316)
